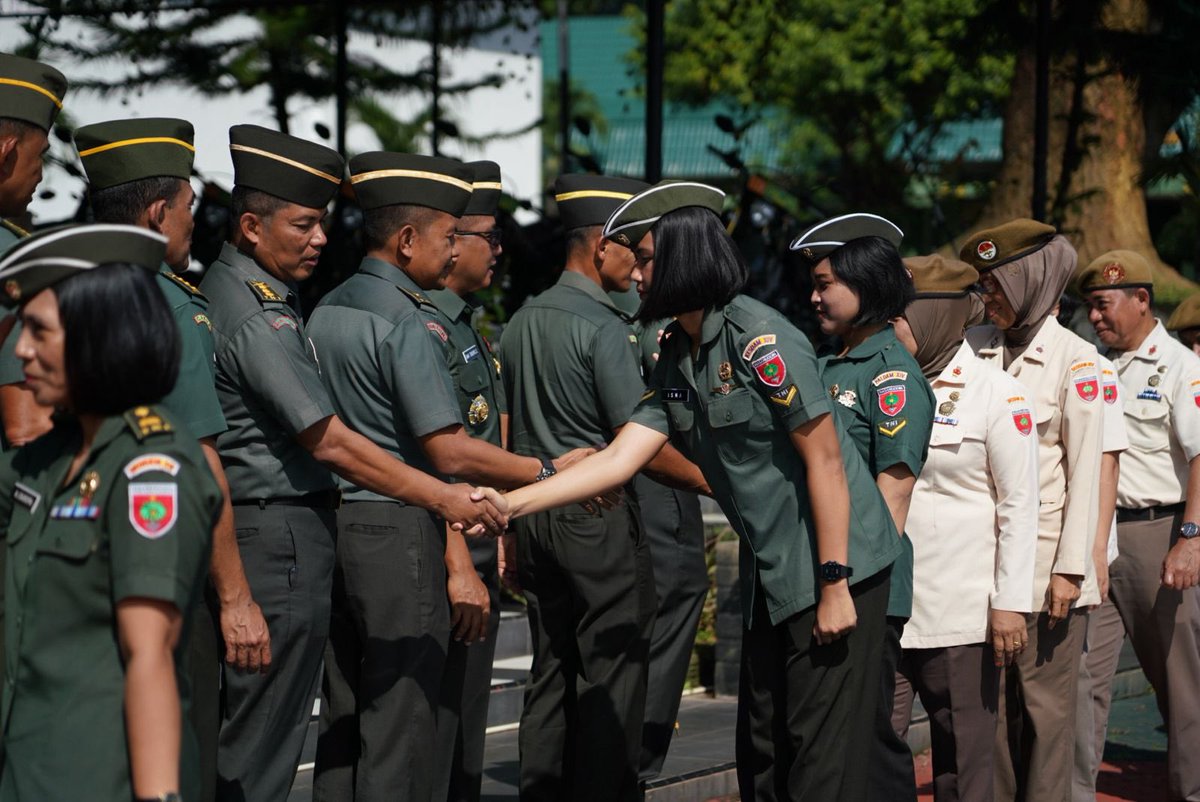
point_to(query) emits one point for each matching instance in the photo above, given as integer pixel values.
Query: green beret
(588, 200)
(485, 188)
(934, 276)
(49, 256)
(1186, 315)
(120, 151)
(988, 249)
(406, 179)
(633, 218)
(292, 169)
(1114, 270)
(30, 91)
(826, 237)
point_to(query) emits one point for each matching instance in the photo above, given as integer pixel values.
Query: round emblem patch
(478, 411)
(12, 289)
(986, 250)
(1114, 273)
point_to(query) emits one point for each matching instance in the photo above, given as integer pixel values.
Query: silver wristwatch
(1188, 530)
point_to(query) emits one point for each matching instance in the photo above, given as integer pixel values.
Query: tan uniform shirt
(1115, 439)
(1063, 374)
(973, 517)
(1161, 382)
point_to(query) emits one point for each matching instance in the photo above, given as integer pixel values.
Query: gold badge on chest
(478, 411)
(88, 485)
(725, 371)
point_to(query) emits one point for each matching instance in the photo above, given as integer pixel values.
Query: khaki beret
(827, 236)
(988, 249)
(382, 179)
(120, 151)
(936, 276)
(290, 168)
(1186, 315)
(30, 91)
(49, 256)
(633, 218)
(1113, 271)
(589, 200)
(486, 188)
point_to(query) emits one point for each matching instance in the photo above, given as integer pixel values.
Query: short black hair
(121, 346)
(872, 268)
(1067, 306)
(254, 201)
(582, 238)
(11, 126)
(380, 223)
(696, 265)
(125, 203)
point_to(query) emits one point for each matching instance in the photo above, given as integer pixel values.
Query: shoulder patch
(417, 297)
(1022, 416)
(153, 508)
(151, 462)
(145, 421)
(1110, 386)
(892, 399)
(284, 320)
(756, 343)
(187, 285)
(262, 290)
(891, 375)
(437, 329)
(770, 368)
(890, 428)
(201, 319)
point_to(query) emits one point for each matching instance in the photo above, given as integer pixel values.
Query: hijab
(1032, 285)
(937, 325)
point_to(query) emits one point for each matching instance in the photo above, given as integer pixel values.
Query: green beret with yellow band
(486, 188)
(30, 91)
(119, 151)
(287, 167)
(588, 200)
(382, 179)
(988, 249)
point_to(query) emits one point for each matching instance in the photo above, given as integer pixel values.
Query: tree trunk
(1097, 138)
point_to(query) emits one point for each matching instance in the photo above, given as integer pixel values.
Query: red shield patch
(153, 508)
(1088, 388)
(1196, 397)
(1110, 393)
(1023, 421)
(891, 399)
(770, 369)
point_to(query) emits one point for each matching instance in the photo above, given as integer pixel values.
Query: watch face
(1189, 530)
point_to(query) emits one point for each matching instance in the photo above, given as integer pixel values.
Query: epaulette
(187, 285)
(145, 421)
(14, 228)
(264, 292)
(745, 319)
(417, 297)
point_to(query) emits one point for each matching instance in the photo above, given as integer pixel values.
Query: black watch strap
(833, 571)
(547, 470)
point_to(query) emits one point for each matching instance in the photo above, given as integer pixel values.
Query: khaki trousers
(1105, 634)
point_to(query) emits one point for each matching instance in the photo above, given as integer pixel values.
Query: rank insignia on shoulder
(890, 428)
(417, 297)
(646, 396)
(437, 329)
(187, 285)
(145, 421)
(263, 291)
(201, 319)
(784, 396)
(891, 375)
(682, 394)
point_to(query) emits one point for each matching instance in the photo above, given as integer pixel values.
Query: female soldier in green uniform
(737, 390)
(108, 520)
(859, 286)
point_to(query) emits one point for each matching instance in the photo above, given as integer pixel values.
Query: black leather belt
(320, 500)
(1149, 513)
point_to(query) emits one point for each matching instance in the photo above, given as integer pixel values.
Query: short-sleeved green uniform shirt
(474, 368)
(11, 369)
(193, 402)
(730, 411)
(571, 369)
(886, 406)
(375, 336)
(268, 382)
(134, 522)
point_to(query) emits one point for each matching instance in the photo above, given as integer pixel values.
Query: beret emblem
(1114, 273)
(986, 250)
(12, 289)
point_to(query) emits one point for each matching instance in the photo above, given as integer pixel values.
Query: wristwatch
(832, 571)
(547, 470)
(170, 796)
(1188, 530)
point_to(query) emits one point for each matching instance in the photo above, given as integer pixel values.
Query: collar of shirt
(239, 261)
(390, 273)
(452, 305)
(1037, 347)
(589, 288)
(1149, 351)
(961, 366)
(870, 346)
(711, 326)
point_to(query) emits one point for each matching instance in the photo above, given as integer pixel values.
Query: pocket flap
(728, 410)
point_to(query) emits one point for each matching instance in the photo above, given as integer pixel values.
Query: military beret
(1113, 271)
(633, 218)
(935, 276)
(826, 237)
(30, 90)
(290, 168)
(588, 200)
(120, 151)
(49, 256)
(988, 249)
(485, 188)
(1186, 315)
(380, 179)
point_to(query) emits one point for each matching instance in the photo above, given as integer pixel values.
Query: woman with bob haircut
(859, 286)
(107, 520)
(737, 390)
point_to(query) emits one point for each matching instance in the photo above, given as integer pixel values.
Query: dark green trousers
(383, 664)
(204, 653)
(675, 534)
(590, 586)
(806, 712)
(287, 553)
(466, 688)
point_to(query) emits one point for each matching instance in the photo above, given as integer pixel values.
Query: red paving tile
(1124, 781)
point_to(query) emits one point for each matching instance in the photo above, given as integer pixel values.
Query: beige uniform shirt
(1063, 374)
(1115, 439)
(1161, 382)
(974, 511)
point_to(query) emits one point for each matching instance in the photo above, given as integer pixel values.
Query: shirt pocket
(1147, 425)
(74, 541)
(730, 417)
(683, 418)
(473, 377)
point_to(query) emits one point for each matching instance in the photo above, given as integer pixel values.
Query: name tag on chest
(471, 353)
(683, 394)
(26, 497)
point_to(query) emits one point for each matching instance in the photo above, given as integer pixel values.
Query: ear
(155, 214)
(251, 226)
(1143, 296)
(8, 155)
(406, 241)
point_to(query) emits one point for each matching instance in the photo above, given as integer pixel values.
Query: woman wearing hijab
(859, 286)
(1024, 268)
(973, 522)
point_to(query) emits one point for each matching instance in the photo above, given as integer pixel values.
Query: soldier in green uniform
(139, 173)
(283, 438)
(859, 286)
(108, 518)
(31, 96)
(384, 364)
(572, 376)
(737, 389)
